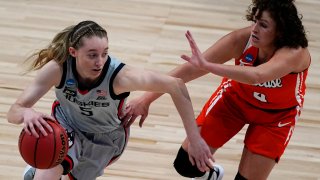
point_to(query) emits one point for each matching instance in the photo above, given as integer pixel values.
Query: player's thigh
(270, 139)
(221, 121)
(255, 166)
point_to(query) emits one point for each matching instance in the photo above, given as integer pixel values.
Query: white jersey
(91, 110)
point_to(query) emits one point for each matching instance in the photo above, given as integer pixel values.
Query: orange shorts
(225, 114)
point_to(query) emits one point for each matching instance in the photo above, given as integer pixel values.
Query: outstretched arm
(228, 47)
(131, 79)
(284, 61)
(22, 112)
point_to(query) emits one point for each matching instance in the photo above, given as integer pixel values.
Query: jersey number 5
(86, 111)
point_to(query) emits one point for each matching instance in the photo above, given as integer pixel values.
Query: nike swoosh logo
(284, 124)
(244, 63)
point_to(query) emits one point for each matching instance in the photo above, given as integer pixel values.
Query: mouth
(97, 70)
(255, 37)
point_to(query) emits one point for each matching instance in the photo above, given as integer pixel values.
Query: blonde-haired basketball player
(91, 88)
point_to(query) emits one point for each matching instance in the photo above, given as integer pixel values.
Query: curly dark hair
(289, 26)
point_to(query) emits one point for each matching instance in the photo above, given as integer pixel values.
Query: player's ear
(72, 51)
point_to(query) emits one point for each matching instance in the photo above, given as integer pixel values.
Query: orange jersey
(285, 92)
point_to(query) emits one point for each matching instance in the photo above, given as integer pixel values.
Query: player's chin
(257, 44)
(254, 42)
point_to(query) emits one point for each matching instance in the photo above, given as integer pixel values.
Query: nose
(99, 61)
(254, 27)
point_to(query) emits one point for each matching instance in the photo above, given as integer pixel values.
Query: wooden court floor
(150, 34)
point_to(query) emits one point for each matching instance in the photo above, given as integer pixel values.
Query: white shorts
(90, 153)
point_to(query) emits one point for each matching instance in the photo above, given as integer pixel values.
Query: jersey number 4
(261, 97)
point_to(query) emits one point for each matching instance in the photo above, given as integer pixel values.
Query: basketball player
(265, 89)
(91, 89)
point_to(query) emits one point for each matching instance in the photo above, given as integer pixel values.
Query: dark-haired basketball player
(265, 89)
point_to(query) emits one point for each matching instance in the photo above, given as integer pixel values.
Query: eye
(92, 56)
(264, 25)
(105, 54)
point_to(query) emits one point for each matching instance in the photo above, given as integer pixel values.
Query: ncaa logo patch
(70, 82)
(249, 58)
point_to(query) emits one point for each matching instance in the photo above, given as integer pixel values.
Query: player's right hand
(33, 120)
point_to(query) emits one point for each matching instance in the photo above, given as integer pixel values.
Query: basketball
(46, 151)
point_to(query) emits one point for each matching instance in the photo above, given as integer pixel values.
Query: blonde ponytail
(57, 50)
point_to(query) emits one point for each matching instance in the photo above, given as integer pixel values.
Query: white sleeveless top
(91, 110)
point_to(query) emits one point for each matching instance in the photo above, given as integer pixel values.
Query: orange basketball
(46, 151)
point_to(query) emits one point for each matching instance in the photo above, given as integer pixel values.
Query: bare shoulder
(124, 78)
(229, 46)
(53, 66)
(138, 79)
(124, 73)
(52, 72)
(129, 74)
(243, 33)
(240, 38)
(299, 58)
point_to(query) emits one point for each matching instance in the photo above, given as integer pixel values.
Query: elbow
(179, 87)
(180, 83)
(12, 117)
(175, 86)
(254, 78)
(13, 120)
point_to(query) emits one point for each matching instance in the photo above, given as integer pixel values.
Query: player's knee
(184, 167)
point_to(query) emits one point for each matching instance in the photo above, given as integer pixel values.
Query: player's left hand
(200, 155)
(196, 59)
(135, 108)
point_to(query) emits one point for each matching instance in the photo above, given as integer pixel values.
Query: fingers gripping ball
(46, 151)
